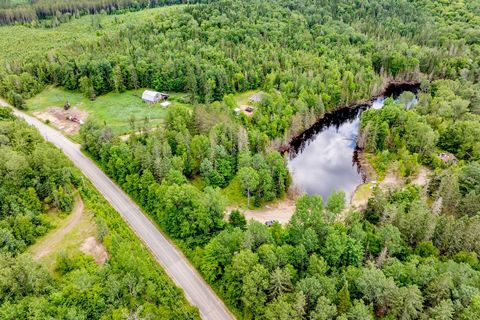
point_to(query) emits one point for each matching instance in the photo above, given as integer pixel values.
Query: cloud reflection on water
(326, 163)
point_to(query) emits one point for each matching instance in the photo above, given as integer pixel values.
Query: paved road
(173, 261)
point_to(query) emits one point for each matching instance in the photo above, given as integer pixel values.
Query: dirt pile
(68, 121)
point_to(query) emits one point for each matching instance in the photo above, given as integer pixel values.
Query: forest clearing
(119, 111)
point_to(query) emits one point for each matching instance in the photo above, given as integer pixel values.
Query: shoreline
(390, 88)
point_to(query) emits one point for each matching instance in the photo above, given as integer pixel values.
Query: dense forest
(309, 56)
(35, 178)
(411, 254)
(155, 166)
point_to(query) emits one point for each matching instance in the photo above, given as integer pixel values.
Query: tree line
(34, 177)
(445, 119)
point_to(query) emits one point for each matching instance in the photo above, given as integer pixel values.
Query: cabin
(447, 157)
(257, 97)
(246, 109)
(149, 96)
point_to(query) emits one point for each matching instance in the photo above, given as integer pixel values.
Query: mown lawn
(114, 109)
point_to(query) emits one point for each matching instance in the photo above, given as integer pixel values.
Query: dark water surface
(323, 159)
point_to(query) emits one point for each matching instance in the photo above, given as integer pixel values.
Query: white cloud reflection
(325, 165)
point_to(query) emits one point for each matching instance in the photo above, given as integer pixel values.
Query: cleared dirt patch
(92, 247)
(68, 121)
(281, 211)
(421, 179)
(393, 179)
(361, 195)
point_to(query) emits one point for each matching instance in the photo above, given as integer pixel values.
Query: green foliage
(406, 260)
(36, 177)
(237, 219)
(348, 60)
(249, 181)
(344, 303)
(336, 202)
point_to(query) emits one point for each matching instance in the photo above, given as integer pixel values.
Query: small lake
(323, 159)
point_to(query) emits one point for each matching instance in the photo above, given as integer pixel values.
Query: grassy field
(363, 193)
(115, 109)
(18, 42)
(242, 98)
(233, 193)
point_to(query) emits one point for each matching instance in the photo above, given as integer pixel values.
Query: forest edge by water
(394, 86)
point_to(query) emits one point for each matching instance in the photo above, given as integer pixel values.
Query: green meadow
(115, 109)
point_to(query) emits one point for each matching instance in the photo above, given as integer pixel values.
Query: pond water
(323, 159)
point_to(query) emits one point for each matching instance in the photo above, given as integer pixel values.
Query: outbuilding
(149, 96)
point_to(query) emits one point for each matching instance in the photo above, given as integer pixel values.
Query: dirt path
(281, 211)
(44, 246)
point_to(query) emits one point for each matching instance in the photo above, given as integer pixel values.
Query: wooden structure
(149, 96)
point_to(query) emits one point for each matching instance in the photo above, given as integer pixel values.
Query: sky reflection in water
(325, 162)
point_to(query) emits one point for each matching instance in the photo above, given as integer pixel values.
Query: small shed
(257, 97)
(149, 96)
(237, 110)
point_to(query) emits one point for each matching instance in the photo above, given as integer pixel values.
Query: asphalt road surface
(197, 291)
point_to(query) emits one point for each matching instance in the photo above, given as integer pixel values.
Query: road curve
(197, 291)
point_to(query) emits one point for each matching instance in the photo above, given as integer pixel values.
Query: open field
(114, 109)
(242, 98)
